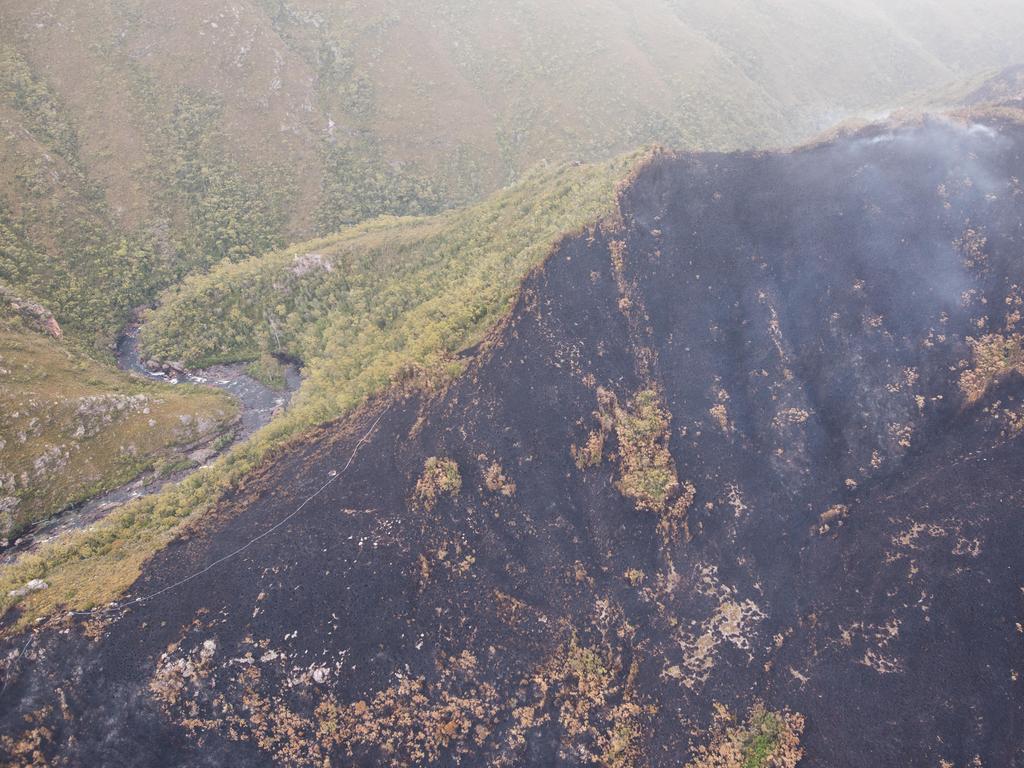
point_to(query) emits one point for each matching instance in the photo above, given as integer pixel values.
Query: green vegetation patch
(269, 370)
(385, 296)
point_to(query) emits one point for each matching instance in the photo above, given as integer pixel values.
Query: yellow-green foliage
(765, 740)
(73, 427)
(418, 290)
(440, 477)
(648, 474)
(269, 370)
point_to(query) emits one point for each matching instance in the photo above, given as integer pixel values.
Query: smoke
(927, 181)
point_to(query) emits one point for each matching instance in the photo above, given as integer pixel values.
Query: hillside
(360, 328)
(392, 295)
(72, 428)
(143, 141)
(737, 476)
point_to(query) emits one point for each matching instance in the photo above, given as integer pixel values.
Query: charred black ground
(840, 533)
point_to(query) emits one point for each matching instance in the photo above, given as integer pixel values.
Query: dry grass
(993, 356)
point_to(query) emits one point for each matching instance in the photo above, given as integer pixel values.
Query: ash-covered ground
(758, 443)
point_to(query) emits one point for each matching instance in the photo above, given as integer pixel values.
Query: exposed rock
(33, 313)
(36, 585)
(96, 412)
(202, 455)
(208, 650)
(309, 262)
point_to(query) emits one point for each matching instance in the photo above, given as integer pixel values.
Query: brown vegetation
(496, 482)
(994, 355)
(647, 473)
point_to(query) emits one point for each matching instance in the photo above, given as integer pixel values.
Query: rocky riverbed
(258, 401)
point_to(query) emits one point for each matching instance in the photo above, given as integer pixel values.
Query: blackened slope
(791, 310)
(835, 281)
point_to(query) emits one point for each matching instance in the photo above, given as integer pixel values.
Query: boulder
(36, 585)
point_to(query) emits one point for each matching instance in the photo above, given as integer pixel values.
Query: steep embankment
(72, 428)
(141, 141)
(760, 441)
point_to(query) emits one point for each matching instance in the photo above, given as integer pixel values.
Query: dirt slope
(762, 443)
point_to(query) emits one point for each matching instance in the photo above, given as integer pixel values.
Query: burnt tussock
(833, 529)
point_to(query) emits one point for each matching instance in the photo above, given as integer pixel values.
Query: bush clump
(765, 740)
(440, 477)
(496, 481)
(648, 472)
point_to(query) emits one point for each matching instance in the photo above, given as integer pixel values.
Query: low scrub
(765, 739)
(441, 477)
(647, 472)
(74, 428)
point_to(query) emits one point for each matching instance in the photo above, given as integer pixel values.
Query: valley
(591, 383)
(257, 404)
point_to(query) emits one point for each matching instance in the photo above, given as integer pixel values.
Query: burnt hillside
(759, 442)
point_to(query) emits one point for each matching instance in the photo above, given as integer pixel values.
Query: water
(258, 401)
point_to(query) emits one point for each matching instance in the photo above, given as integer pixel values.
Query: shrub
(648, 474)
(496, 482)
(765, 740)
(440, 476)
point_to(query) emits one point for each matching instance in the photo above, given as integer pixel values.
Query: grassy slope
(73, 428)
(203, 132)
(450, 278)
